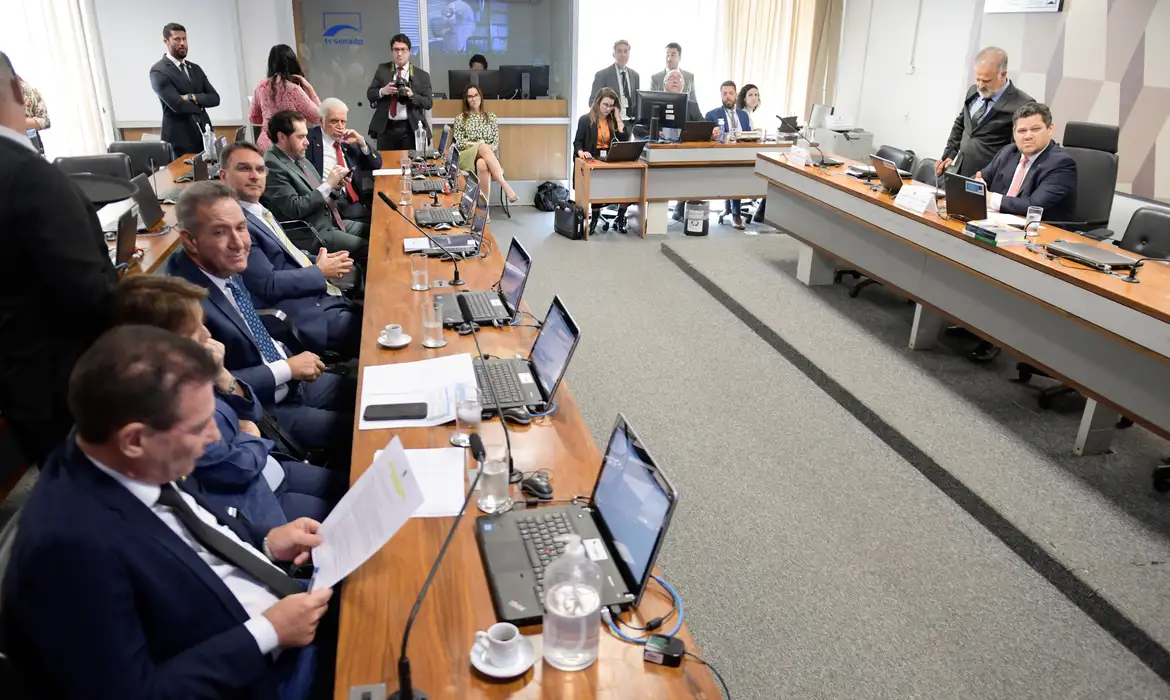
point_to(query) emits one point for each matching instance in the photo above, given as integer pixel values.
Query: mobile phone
(395, 411)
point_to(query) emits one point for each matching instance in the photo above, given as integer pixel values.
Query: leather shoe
(737, 222)
(984, 352)
(620, 226)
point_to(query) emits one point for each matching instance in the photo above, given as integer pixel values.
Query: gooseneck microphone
(456, 280)
(469, 320)
(797, 132)
(1162, 256)
(406, 690)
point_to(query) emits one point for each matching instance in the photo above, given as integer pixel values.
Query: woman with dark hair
(477, 135)
(749, 101)
(284, 88)
(595, 132)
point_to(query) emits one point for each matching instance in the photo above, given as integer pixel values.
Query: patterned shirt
(34, 106)
(479, 127)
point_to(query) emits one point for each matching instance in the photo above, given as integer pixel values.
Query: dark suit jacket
(1051, 182)
(420, 83)
(104, 601)
(718, 113)
(54, 296)
(585, 138)
(183, 121)
(608, 78)
(361, 164)
(290, 196)
(658, 82)
(978, 143)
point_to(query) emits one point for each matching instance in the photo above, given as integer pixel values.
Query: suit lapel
(265, 231)
(179, 75)
(192, 489)
(192, 273)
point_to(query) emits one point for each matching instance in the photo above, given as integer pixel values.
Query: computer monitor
(553, 348)
(669, 107)
(488, 82)
(818, 115)
(524, 82)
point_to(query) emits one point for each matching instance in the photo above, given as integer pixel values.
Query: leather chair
(112, 164)
(924, 171)
(146, 157)
(1094, 148)
(902, 159)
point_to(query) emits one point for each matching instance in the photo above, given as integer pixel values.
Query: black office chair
(1094, 148)
(112, 164)
(353, 283)
(924, 171)
(145, 156)
(902, 159)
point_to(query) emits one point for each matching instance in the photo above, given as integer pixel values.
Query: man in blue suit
(735, 120)
(124, 582)
(315, 407)
(333, 144)
(1034, 171)
(281, 275)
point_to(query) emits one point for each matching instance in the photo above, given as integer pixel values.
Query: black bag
(548, 194)
(569, 220)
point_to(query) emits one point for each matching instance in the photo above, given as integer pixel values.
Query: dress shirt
(281, 372)
(181, 65)
(731, 120)
(399, 115)
(253, 596)
(976, 105)
(994, 198)
(18, 137)
(328, 153)
(623, 97)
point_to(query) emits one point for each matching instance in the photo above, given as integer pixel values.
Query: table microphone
(1161, 257)
(469, 319)
(800, 135)
(456, 280)
(406, 689)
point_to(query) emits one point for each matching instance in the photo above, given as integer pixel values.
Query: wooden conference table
(157, 246)
(1105, 337)
(377, 598)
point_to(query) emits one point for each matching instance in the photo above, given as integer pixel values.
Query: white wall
(269, 22)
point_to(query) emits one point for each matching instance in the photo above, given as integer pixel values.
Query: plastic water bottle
(572, 602)
(420, 138)
(722, 132)
(208, 143)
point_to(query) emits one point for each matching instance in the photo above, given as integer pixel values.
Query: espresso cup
(392, 333)
(501, 643)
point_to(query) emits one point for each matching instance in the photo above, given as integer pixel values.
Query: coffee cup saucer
(524, 660)
(402, 341)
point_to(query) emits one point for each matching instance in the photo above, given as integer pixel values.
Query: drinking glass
(1032, 221)
(419, 269)
(406, 196)
(468, 414)
(404, 165)
(494, 496)
(432, 318)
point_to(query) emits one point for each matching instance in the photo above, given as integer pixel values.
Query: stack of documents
(993, 233)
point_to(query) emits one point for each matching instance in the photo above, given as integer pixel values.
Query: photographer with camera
(402, 94)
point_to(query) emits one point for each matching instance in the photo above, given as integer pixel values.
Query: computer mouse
(518, 415)
(537, 486)
(442, 227)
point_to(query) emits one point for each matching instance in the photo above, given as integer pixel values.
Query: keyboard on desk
(499, 379)
(480, 304)
(430, 217)
(426, 186)
(429, 155)
(539, 533)
(171, 195)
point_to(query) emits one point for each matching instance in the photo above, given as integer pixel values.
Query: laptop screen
(467, 203)
(553, 347)
(634, 502)
(516, 268)
(443, 140)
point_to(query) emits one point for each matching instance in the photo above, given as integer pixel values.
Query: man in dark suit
(184, 91)
(333, 144)
(984, 124)
(735, 120)
(673, 57)
(315, 407)
(621, 79)
(54, 298)
(398, 113)
(283, 276)
(124, 582)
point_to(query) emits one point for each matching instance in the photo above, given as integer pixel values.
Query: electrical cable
(653, 624)
(678, 604)
(551, 408)
(714, 671)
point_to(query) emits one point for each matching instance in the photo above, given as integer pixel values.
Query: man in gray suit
(984, 124)
(673, 56)
(296, 191)
(622, 80)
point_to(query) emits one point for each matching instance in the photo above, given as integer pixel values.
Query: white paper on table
(367, 516)
(1005, 219)
(440, 476)
(387, 171)
(918, 199)
(430, 381)
(797, 157)
(416, 245)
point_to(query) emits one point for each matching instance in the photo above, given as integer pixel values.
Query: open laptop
(493, 306)
(465, 245)
(438, 153)
(532, 382)
(127, 239)
(1091, 255)
(623, 531)
(695, 132)
(887, 174)
(457, 216)
(625, 151)
(197, 173)
(149, 210)
(966, 198)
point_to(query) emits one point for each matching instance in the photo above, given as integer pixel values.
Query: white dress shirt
(328, 153)
(623, 96)
(253, 596)
(181, 65)
(731, 120)
(994, 199)
(281, 372)
(405, 75)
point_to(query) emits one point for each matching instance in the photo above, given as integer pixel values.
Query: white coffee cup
(392, 333)
(501, 643)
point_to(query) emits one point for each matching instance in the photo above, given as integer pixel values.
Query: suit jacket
(974, 145)
(585, 138)
(361, 164)
(54, 299)
(104, 601)
(242, 356)
(608, 78)
(289, 195)
(1051, 182)
(719, 113)
(183, 121)
(658, 82)
(416, 107)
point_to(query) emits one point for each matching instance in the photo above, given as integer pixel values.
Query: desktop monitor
(669, 107)
(525, 82)
(488, 82)
(818, 116)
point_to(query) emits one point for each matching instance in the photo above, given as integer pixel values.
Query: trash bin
(695, 219)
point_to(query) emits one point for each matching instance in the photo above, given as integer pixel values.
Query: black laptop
(623, 531)
(532, 382)
(456, 216)
(625, 151)
(499, 305)
(149, 210)
(437, 153)
(966, 198)
(126, 242)
(694, 132)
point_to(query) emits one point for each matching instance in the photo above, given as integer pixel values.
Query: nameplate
(797, 157)
(917, 199)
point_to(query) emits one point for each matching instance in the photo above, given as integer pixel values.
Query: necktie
(394, 98)
(293, 250)
(1018, 178)
(183, 67)
(341, 161)
(252, 319)
(978, 116)
(625, 92)
(315, 182)
(225, 547)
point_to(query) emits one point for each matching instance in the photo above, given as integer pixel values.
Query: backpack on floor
(548, 194)
(569, 220)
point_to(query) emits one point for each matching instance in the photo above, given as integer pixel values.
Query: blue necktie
(259, 332)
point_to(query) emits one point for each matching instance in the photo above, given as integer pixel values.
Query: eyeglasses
(400, 49)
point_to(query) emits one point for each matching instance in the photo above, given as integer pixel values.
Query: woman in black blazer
(595, 132)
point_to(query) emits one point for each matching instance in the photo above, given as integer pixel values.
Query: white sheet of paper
(797, 157)
(431, 382)
(415, 245)
(387, 171)
(916, 198)
(440, 475)
(367, 516)
(1006, 219)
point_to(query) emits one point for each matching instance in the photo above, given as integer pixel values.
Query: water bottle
(722, 132)
(208, 143)
(420, 138)
(572, 603)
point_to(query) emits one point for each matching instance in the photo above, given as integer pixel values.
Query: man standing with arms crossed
(185, 94)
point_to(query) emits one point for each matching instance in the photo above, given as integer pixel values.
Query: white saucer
(403, 341)
(523, 662)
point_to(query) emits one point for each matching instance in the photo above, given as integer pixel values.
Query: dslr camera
(402, 84)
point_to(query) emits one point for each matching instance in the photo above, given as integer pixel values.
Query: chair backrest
(112, 164)
(1094, 148)
(1148, 233)
(144, 154)
(902, 160)
(924, 170)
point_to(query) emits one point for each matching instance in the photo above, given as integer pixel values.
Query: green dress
(472, 130)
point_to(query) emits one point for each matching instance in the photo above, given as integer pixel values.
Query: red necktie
(1018, 179)
(341, 161)
(314, 182)
(394, 101)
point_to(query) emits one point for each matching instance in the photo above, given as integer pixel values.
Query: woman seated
(284, 88)
(595, 132)
(749, 101)
(477, 135)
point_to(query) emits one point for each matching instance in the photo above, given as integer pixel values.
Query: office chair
(144, 155)
(352, 284)
(1094, 148)
(924, 171)
(112, 164)
(902, 159)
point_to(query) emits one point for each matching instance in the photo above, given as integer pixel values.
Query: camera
(402, 85)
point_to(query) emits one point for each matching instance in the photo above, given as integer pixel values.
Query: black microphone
(469, 320)
(406, 689)
(456, 280)
(800, 135)
(1161, 257)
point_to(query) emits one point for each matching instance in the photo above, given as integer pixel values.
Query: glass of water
(1032, 221)
(407, 196)
(419, 272)
(404, 165)
(494, 496)
(432, 321)
(468, 414)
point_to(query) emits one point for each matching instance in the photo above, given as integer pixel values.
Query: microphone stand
(800, 135)
(468, 318)
(406, 689)
(1132, 276)
(456, 280)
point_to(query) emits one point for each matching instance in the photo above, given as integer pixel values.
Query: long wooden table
(161, 241)
(1105, 337)
(377, 598)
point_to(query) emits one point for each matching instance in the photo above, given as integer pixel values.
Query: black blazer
(586, 137)
(974, 145)
(359, 163)
(183, 121)
(1051, 182)
(416, 107)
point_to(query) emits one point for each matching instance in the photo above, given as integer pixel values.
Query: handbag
(569, 220)
(548, 194)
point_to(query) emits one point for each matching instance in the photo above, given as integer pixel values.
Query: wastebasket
(695, 219)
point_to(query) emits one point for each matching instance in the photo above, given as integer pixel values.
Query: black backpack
(569, 220)
(548, 194)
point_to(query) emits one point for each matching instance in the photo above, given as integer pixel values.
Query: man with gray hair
(984, 124)
(334, 143)
(620, 78)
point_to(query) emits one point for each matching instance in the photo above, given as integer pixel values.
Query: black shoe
(620, 226)
(984, 352)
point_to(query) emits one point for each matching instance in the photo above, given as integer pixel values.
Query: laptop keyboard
(171, 195)
(436, 216)
(480, 305)
(539, 533)
(498, 379)
(426, 186)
